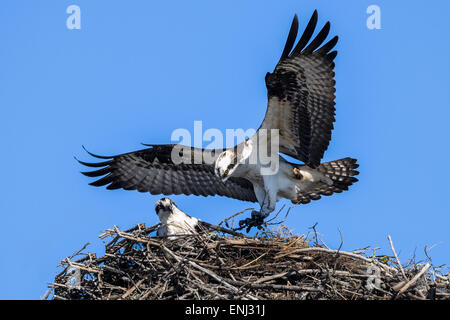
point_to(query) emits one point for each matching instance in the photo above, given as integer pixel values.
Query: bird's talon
(256, 220)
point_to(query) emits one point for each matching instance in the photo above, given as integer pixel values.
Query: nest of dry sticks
(218, 263)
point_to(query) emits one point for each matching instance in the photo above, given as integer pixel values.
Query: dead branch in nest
(219, 263)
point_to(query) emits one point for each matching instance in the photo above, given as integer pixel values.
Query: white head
(173, 220)
(226, 164)
(164, 207)
(229, 160)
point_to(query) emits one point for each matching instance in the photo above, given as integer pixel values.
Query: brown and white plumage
(301, 94)
(342, 174)
(153, 170)
(173, 221)
(300, 106)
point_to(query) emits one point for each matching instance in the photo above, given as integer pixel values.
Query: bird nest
(217, 263)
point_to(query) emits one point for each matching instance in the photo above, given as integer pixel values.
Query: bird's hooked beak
(225, 165)
(224, 176)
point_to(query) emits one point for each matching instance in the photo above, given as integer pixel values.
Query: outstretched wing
(301, 94)
(154, 170)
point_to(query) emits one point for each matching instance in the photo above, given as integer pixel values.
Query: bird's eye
(226, 172)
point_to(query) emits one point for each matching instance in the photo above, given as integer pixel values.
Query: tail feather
(341, 172)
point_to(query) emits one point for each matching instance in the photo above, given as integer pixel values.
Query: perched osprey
(300, 109)
(173, 220)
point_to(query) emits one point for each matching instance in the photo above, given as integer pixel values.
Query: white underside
(175, 223)
(281, 183)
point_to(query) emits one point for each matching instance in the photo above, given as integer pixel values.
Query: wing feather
(307, 34)
(301, 93)
(152, 170)
(342, 173)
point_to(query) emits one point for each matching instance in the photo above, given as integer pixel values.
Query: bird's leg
(257, 217)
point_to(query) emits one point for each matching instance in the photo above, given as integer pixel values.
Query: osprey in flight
(301, 111)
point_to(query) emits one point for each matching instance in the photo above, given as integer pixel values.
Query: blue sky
(137, 70)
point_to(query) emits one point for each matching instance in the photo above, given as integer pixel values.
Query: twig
(234, 215)
(413, 280)
(216, 264)
(396, 258)
(208, 272)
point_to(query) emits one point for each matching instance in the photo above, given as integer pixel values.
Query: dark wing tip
(295, 21)
(332, 55)
(302, 48)
(291, 38)
(103, 181)
(325, 49)
(97, 173)
(306, 36)
(96, 155)
(95, 164)
(319, 39)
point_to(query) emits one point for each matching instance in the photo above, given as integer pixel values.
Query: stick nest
(218, 263)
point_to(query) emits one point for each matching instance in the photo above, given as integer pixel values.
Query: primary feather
(301, 95)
